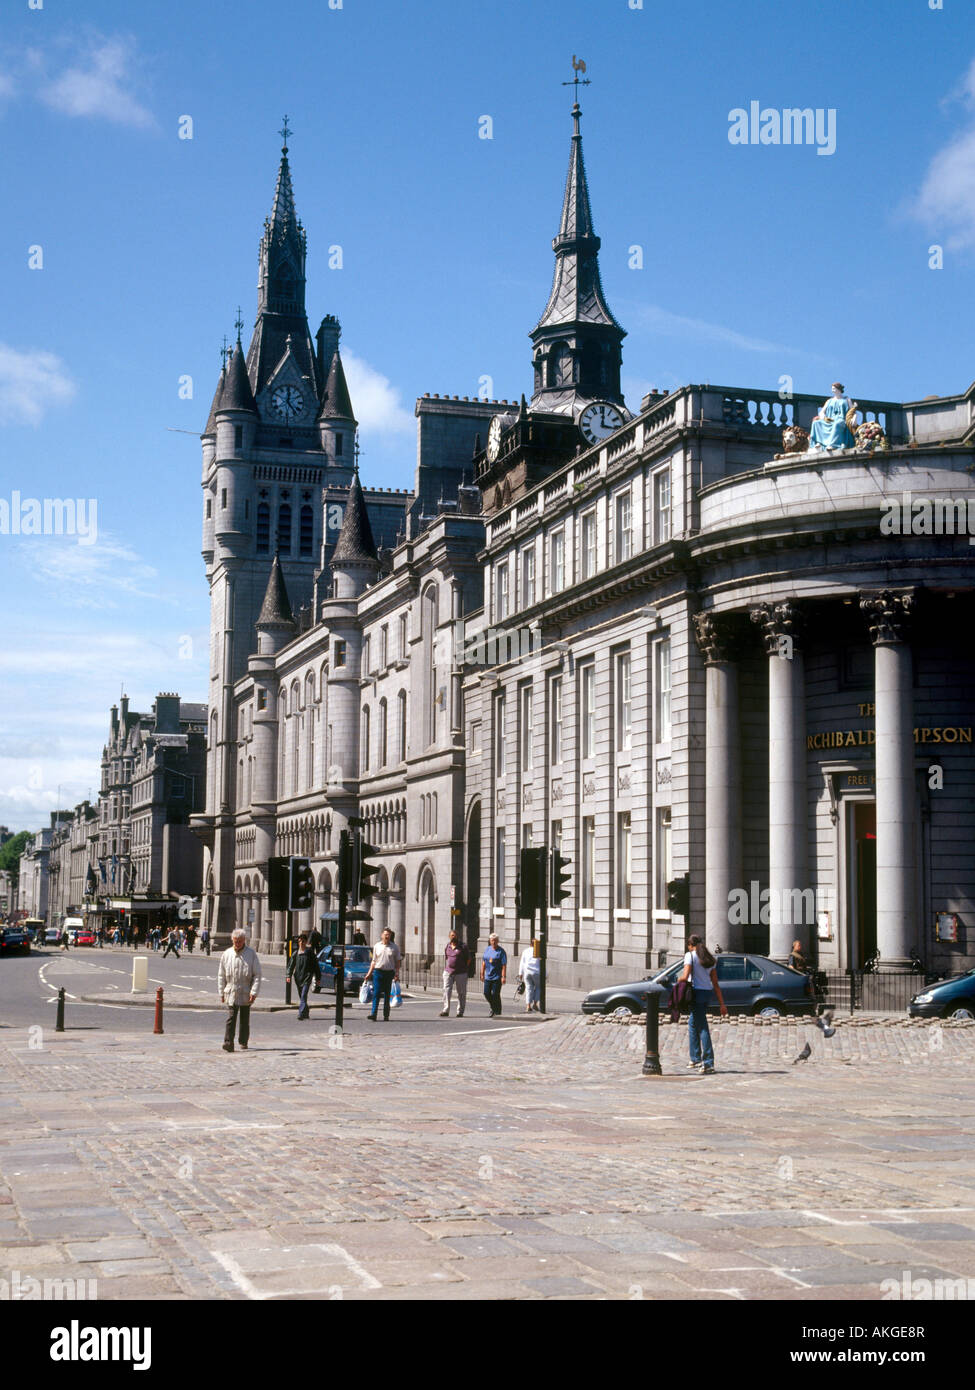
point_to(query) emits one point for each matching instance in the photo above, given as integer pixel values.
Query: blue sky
(758, 260)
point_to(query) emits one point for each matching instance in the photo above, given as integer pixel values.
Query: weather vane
(238, 323)
(223, 352)
(578, 65)
(285, 131)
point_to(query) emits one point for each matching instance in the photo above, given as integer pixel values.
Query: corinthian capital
(780, 625)
(718, 636)
(888, 614)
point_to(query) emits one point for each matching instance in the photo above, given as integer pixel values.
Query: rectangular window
(663, 691)
(556, 835)
(499, 741)
(339, 650)
(384, 646)
(528, 577)
(624, 527)
(664, 869)
(589, 545)
(526, 729)
(402, 635)
(238, 436)
(499, 866)
(557, 566)
(223, 499)
(526, 837)
(556, 717)
(624, 706)
(587, 866)
(209, 508)
(661, 507)
(367, 656)
(501, 593)
(623, 859)
(338, 445)
(587, 712)
(475, 737)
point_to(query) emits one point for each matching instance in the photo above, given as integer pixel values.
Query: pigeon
(824, 1023)
(803, 1055)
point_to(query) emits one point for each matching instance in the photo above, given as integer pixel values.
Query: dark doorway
(864, 882)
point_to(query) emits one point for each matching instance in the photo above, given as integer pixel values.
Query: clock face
(287, 403)
(599, 421)
(494, 438)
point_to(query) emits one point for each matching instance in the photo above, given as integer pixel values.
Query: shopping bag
(395, 995)
(365, 993)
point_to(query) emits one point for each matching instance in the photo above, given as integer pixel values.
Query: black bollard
(59, 1026)
(651, 1062)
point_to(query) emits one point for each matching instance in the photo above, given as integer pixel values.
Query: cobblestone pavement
(535, 1164)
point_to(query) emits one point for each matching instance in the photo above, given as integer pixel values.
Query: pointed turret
(275, 625)
(577, 340)
(211, 425)
(237, 393)
(336, 404)
(355, 545)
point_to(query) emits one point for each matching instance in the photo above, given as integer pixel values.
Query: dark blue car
(951, 998)
(357, 961)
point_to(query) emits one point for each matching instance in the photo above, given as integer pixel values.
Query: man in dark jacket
(304, 970)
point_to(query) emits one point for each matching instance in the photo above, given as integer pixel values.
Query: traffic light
(529, 886)
(301, 892)
(278, 885)
(679, 895)
(362, 889)
(561, 878)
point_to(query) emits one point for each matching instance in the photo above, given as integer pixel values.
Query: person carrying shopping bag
(385, 966)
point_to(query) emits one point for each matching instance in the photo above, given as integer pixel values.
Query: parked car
(14, 939)
(51, 936)
(84, 936)
(750, 984)
(357, 959)
(951, 998)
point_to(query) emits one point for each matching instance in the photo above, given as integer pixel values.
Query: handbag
(681, 998)
(519, 988)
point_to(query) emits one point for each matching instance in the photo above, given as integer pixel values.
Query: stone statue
(831, 427)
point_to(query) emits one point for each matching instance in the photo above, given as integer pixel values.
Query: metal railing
(873, 991)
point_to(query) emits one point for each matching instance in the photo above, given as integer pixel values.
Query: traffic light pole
(543, 930)
(289, 948)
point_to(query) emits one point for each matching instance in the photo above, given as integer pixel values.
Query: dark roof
(276, 609)
(355, 544)
(336, 404)
(577, 294)
(211, 424)
(237, 393)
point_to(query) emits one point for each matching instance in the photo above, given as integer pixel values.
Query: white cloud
(945, 202)
(375, 400)
(678, 326)
(31, 382)
(100, 82)
(87, 576)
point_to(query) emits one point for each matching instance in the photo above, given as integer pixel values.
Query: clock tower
(577, 352)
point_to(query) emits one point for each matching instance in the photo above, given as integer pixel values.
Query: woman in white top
(530, 971)
(700, 969)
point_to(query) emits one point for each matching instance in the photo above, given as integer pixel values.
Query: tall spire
(577, 340)
(336, 403)
(281, 287)
(276, 608)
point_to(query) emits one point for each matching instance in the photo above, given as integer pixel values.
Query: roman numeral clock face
(599, 420)
(287, 403)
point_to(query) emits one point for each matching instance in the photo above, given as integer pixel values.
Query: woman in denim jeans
(699, 968)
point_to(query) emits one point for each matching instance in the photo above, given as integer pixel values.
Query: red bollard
(159, 1008)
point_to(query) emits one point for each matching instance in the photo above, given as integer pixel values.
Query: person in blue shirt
(494, 973)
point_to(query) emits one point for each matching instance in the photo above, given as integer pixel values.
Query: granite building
(652, 640)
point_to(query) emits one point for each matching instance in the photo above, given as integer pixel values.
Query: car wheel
(621, 1006)
(961, 1011)
(769, 1009)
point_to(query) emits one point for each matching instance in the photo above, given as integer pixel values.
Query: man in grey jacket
(238, 980)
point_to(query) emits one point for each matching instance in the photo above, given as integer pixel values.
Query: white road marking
(475, 1032)
(334, 1253)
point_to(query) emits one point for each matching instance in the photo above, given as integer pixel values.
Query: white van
(73, 925)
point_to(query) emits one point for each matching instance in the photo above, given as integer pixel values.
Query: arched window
(284, 529)
(312, 714)
(306, 531)
(282, 741)
(383, 731)
(263, 528)
(401, 731)
(364, 742)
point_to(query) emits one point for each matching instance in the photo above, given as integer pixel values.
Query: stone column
(897, 926)
(792, 910)
(722, 836)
